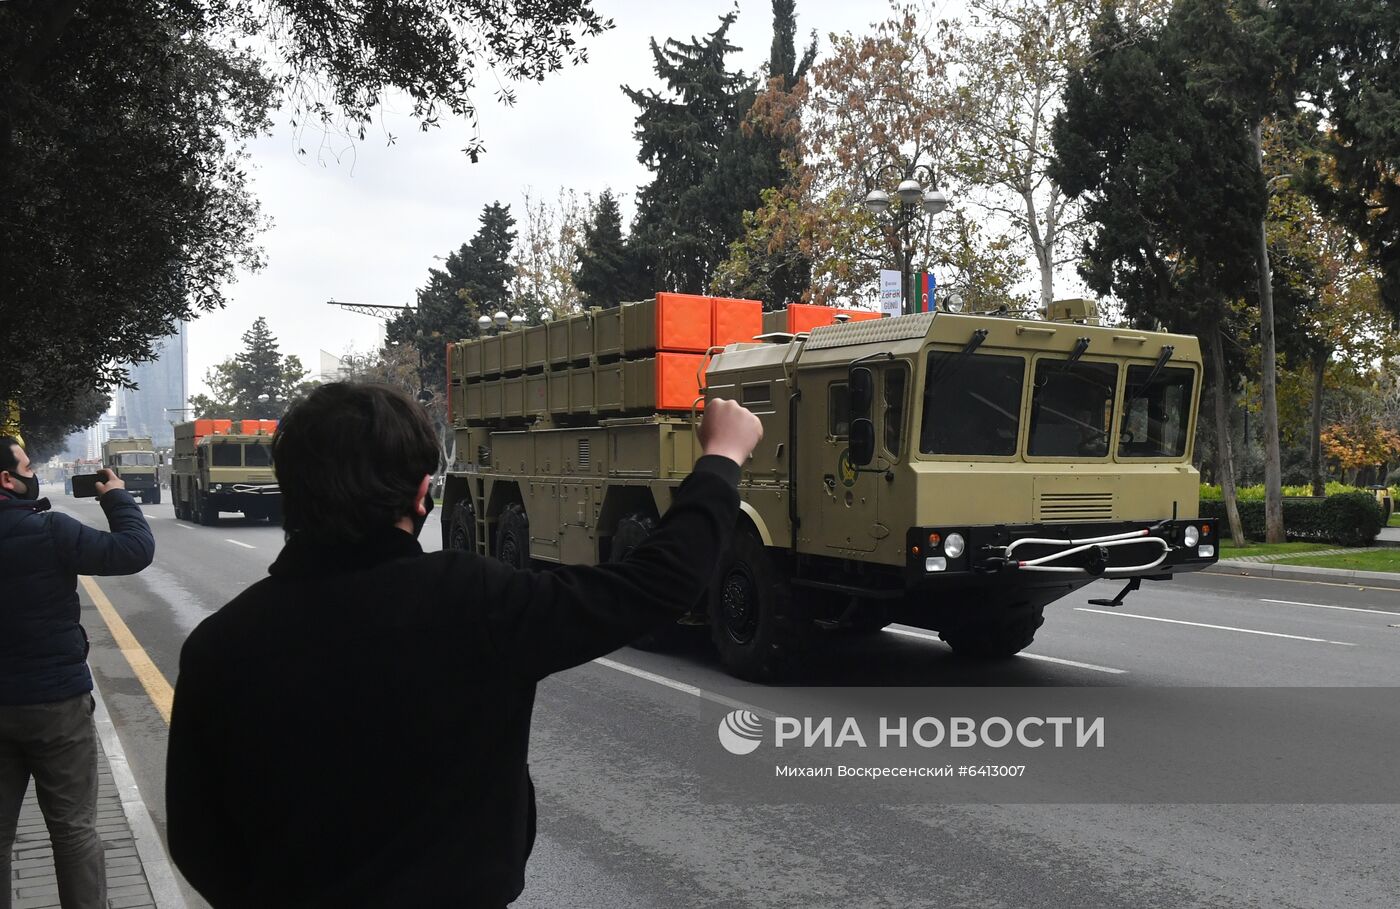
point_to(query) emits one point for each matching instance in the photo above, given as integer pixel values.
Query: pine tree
(606, 273)
(256, 383)
(707, 172)
(474, 281)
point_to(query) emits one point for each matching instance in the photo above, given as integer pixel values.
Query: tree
(257, 383)
(121, 164)
(543, 285)
(607, 271)
(767, 261)
(474, 281)
(397, 365)
(1343, 58)
(706, 171)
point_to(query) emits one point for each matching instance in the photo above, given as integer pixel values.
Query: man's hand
(729, 430)
(112, 482)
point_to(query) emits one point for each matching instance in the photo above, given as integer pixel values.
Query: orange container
(682, 323)
(678, 380)
(253, 427)
(735, 320)
(805, 317)
(203, 428)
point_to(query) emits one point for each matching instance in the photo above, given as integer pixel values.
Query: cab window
(228, 456)
(838, 419)
(257, 456)
(896, 379)
(1155, 414)
(972, 404)
(1072, 409)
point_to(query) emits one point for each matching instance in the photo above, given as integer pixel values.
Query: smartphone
(85, 484)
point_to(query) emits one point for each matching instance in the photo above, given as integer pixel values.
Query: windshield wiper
(956, 359)
(1162, 358)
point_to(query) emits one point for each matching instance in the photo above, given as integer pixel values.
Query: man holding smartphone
(46, 726)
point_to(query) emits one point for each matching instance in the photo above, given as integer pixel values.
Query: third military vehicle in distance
(224, 465)
(954, 472)
(135, 461)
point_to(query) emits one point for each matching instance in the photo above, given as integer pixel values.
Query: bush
(1256, 493)
(1348, 518)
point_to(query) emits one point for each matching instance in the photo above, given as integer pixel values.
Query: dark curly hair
(349, 460)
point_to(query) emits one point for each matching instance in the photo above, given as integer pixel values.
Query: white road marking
(1272, 634)
(236, 543)
(1029, 656)
(683, 687)
(1324, 606)
(182, 525)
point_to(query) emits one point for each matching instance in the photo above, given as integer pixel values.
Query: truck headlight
(1206, 552)
(935, 563)
(1191, 536)
(953, 545)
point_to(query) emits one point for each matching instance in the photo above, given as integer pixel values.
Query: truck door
(840, 503)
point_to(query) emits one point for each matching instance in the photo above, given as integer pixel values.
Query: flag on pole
(925, 291)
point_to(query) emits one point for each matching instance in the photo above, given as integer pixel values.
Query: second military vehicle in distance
(224, 465)
(135, 461)
(954, 472)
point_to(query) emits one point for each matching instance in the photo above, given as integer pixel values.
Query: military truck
(954, 472)
(135, 461)
(224, 465)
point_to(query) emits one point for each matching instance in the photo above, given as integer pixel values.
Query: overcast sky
(363, 223)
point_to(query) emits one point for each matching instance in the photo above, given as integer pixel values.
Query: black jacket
(353, 730)
(43, 648)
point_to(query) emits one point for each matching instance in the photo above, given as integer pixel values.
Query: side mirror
(861, 382)
(862, 441)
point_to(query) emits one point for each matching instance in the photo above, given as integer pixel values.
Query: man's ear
(419, 509)
(7, 481)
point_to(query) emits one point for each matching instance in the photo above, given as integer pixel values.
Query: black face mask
(31, 487)
(420, 519)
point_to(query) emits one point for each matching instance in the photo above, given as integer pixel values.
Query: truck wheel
(513, 537)
(629, 533)
(753, 623)
(997, 638)
(155, 497)
(461, 530)
(208, 515)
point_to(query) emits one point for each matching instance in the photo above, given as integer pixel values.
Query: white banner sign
(891, 293)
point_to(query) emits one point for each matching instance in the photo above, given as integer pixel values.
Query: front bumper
(1040, 553)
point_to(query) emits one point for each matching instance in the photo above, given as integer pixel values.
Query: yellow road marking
(160, 691)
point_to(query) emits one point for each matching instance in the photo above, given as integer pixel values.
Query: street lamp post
(911, 197)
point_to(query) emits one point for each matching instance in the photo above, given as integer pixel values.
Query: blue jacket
(43, 648)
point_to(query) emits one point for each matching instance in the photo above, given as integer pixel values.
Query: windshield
(227, 455)
(972, 404)
(1072, 409)
(136, 458)
(1155, 416)
(256, 455)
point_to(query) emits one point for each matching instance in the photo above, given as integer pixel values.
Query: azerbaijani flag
(925, 291)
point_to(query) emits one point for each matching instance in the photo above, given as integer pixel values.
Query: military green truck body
(135, 461)
(224, 466)
(947, 471)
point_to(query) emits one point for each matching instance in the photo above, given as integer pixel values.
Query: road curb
(1380, 579)
(160, 875)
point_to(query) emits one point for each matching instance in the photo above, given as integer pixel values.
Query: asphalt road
(633, 815)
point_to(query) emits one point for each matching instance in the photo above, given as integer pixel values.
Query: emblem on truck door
(846, 469)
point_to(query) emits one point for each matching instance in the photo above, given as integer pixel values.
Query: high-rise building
(162, 392)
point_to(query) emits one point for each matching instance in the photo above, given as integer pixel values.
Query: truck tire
(461, 530)
(629, 533)
(753, 622)
(155, 497)
(995, 639)
(207, 514)
(513, 536)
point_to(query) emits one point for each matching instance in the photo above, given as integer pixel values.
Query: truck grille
(585, 456)
(1074, 506)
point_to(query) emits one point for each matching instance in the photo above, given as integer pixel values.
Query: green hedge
(1348, 519)
(1256, 493)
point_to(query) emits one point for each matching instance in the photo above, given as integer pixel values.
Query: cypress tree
(606, 273)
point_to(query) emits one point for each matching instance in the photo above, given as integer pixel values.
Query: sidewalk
(1389, 536)
(137, 869)
(1382, 579)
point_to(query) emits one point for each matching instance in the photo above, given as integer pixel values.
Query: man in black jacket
(46, 727)
(353, 730)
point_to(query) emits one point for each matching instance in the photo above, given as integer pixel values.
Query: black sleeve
(542, 622)
(197, 826)
(127, 549)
